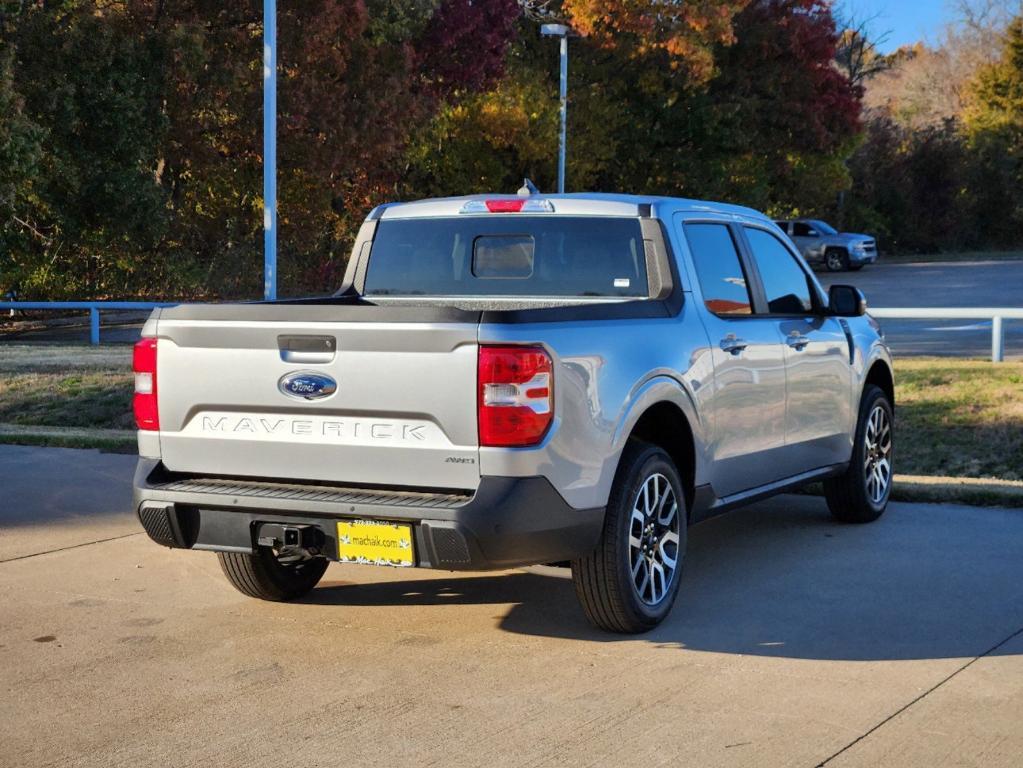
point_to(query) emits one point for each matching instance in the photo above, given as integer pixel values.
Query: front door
(818, 370)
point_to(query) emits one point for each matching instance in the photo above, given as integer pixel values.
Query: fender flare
(660, 387)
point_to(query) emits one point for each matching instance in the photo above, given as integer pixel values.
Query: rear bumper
(507, 522)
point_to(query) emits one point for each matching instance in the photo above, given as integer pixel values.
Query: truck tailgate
(404, 411)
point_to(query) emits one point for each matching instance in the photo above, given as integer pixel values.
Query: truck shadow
(781, 579)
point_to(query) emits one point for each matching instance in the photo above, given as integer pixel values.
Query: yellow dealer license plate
(374, 543)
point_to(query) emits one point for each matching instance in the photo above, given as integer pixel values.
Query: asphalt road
(797, 642)
(943, 284)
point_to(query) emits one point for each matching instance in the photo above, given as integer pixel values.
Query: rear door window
(722, 279)
(516, 255)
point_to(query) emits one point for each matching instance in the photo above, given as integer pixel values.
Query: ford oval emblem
(307, 385)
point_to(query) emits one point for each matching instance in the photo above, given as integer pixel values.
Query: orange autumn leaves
(686, 30)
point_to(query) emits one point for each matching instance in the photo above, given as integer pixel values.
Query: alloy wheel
(654, 539)
(877, 447)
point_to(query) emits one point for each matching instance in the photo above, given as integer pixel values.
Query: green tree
(92, 199)
(20, 151)
(994, 125)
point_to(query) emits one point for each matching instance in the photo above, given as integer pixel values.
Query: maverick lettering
(336, 429)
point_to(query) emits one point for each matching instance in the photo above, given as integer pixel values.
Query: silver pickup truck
(510, 380)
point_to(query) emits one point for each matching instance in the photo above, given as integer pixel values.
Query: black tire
(262, 576)
(836, 260)
(604, 581)
(851, 497)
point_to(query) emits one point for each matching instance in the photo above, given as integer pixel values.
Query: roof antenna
(528, 188)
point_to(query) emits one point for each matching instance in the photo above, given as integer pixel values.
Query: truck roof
(575, 204)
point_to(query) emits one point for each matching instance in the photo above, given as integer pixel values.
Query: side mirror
(846, 301)
(812, 233)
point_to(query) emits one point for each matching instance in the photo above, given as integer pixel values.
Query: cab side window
(800, 229)
(786, 285)
(722, 279)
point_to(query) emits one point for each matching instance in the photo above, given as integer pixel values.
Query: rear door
(818, 370)
(233, 382)
(748, 402)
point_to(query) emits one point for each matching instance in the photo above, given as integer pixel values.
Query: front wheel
(835, 260)
(860, 495)
(630, 580)
(264, 576)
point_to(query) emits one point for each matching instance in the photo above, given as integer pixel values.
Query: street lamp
(270, 150)
(561, 30)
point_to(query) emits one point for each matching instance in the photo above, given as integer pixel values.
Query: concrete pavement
(796, 642)
(58, 497)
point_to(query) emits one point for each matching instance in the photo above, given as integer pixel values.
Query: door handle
(307, 349)
(797, 341)
(732, 344)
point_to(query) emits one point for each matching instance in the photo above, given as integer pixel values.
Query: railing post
(997, 340)
(94, 325)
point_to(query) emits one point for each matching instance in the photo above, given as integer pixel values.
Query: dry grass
(66, 386)
(960, 418)
(26, 358)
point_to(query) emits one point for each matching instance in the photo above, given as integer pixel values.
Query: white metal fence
(92, 307)
(995, 314)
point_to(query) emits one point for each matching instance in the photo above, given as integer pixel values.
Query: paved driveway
(797, 642)
(942, 284)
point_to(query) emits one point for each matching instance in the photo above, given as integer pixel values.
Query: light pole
(561, 30)
(269, 150)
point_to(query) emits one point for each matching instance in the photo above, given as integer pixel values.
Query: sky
(906, 21)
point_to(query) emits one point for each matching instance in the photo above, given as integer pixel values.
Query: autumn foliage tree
(131, 148)
(941, 166)
(769, 124)
(145, 119)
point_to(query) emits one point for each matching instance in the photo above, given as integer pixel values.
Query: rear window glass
(489, 255)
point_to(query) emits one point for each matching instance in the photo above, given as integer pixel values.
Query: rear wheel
(836, 260)
(629, 582)
(861, 494)
(264, 576)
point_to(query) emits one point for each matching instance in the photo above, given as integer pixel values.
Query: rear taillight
(144, 404)
(516, 395)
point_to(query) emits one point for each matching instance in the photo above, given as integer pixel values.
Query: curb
(971, 491)
(968, 490)
(113, 440)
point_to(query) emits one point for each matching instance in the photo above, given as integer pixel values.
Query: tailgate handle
(307, 349)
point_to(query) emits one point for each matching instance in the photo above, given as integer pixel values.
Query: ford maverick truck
(508, 380)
